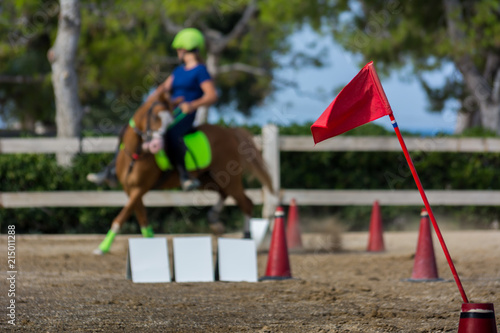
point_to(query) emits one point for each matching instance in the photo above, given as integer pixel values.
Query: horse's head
(155, 118)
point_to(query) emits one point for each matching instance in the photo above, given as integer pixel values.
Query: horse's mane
(162, 97)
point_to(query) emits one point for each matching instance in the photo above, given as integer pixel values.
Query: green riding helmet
(189, 39)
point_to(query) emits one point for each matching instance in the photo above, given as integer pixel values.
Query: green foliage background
(124, 52)
(396, 34)
(322, 170)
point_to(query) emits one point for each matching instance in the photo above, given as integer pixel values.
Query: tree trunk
(62, 57)
(201, 116)
(467, 120)
(213, 64)
(482, 92)
(486, 95)
(462, 122)
(490, 116)
(212, 67)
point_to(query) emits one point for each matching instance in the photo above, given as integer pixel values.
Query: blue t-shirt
(187, 82)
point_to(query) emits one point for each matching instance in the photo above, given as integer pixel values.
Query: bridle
(147, 135)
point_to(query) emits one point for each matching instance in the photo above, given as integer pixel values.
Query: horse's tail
(251, 158)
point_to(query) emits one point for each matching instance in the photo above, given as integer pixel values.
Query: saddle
(198, 155)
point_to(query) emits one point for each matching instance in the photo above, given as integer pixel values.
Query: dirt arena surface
(62, 287)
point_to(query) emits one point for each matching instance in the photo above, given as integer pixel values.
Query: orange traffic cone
(376, 239)
(424, 267)
(278, 265)
(477, 318)
(293, 239)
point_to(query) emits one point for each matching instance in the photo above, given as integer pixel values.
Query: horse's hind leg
(213, 215)
(245, 205)
(135, 194)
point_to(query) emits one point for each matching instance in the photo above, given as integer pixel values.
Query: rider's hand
(186, 107)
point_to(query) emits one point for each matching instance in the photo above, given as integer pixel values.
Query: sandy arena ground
(62, 287)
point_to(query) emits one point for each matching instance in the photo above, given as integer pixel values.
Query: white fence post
(271, 155)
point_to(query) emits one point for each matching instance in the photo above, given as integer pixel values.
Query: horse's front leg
(140, 213)
(135, 195)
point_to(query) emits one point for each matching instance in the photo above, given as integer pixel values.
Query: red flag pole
(361, 101)
(428, 207)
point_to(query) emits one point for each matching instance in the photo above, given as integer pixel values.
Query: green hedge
(322, 170)
(39, 172)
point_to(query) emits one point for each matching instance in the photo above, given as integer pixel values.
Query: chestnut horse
(233, 152)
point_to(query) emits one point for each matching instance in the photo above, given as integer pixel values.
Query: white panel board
(258, 229)
(147, 260)
(237, 260)
(193, 259)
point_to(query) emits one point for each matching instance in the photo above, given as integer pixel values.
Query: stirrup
(105, 176)
(190, 184)
(98, 178)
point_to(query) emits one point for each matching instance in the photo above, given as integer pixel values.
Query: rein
(144, 135)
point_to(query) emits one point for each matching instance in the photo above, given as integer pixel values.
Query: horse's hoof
(217, 228)
(98, 252)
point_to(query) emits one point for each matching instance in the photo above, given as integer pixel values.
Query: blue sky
(317, 85)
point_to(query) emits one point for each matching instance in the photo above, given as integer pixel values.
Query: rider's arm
(166, 86)
(209, 97)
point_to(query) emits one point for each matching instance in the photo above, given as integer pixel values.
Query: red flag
(362, 100)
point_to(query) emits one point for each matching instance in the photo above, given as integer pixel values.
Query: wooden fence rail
(286, 143)
(206, 198)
